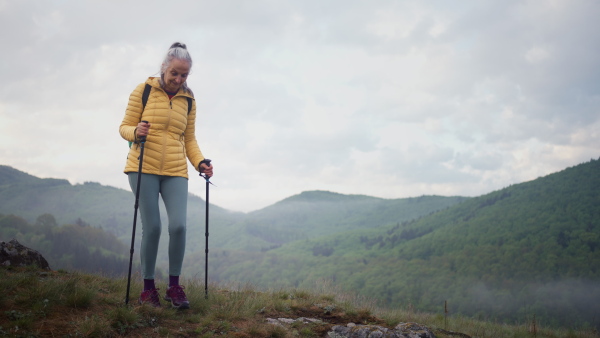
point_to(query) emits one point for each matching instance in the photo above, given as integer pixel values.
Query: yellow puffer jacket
(172, 133)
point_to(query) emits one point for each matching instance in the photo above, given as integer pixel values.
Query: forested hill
(548, 219)
(307, 215)
(111, 209)
(70, 246)
(312, 214)
(531, 248)
(9, 175)
(100, 206)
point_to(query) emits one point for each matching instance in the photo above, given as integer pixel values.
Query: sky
(386, 98)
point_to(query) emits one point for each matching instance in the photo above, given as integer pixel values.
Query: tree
(46, 220)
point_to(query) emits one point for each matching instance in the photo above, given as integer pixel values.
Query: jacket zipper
(182, 139)
(165, 136)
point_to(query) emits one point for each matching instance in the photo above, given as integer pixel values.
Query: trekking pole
(207, 161)
(137, 200)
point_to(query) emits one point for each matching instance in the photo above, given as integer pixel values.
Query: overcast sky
(384, 98)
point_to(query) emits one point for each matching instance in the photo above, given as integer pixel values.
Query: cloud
(391, 99)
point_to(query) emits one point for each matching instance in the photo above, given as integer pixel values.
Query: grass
(35, 303)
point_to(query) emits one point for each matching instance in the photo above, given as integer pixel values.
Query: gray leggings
(174, 192)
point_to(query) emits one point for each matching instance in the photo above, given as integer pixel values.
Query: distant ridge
(9, 175)
(102, 206)
(322, 195)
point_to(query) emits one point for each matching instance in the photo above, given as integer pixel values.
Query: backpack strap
(189, 99)
(145, 95)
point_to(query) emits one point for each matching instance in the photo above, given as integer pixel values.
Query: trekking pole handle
(207, 162)
(143, 138)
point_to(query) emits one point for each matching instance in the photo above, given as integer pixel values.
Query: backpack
(145, 95)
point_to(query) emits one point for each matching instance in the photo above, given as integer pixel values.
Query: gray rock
(286, 320)
(14, 253)
(289, 321)
(274, 322)
(361, 331)
(402, 330)
(413, 330)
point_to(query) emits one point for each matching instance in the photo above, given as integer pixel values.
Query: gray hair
(177, 51)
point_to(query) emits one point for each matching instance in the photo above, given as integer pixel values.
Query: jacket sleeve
(192, 149)
(133, 114)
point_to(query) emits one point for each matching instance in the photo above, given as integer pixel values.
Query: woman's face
(176, 74)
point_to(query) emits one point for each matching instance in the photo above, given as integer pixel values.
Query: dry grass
(59, 304)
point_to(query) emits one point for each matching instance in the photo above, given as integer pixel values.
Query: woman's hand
(206, 170)
(142, 129)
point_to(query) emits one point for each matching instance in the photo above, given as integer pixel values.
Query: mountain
(9, 175)
(528, 249)
(312, 214)
(531, 248)
(306, 215)
(100, 206)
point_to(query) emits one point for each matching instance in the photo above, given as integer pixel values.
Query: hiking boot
(150, 297)
(177, 297)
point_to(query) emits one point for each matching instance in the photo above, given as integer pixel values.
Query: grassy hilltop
(37, 303)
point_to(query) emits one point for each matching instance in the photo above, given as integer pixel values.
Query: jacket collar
(155, 83)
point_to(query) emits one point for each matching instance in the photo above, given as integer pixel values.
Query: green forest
(528, 249)
(69, 247)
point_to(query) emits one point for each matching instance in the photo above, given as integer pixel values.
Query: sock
(149, 284)
(173, 280)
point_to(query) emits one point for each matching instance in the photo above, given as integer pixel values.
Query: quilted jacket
(171, 139)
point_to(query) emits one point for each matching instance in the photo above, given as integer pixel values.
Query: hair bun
(178, 45)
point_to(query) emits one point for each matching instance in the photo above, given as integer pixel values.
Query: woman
(170, 139)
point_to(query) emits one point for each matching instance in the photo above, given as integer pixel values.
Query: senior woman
(170, 112)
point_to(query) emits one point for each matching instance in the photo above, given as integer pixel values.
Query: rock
(274, 322)
(14, 253)
(414, 330)
(361, 331)
(286, 320)
(289, 321)
(404, 330)
(452, 333)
